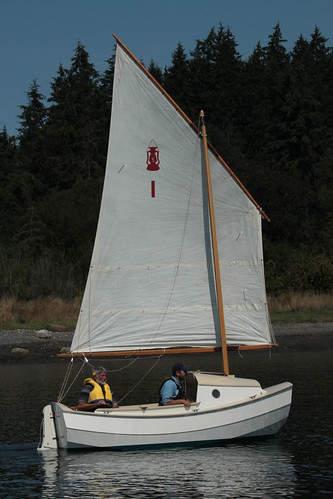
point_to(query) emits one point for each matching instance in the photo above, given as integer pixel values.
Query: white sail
(151, 280)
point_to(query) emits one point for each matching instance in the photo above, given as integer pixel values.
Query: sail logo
(153, 157)
(153, 163)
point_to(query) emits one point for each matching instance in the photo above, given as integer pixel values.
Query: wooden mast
(225, 362)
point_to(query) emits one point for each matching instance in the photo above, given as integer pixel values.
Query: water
(295, 463)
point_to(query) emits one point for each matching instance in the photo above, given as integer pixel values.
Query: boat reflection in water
(248, 470)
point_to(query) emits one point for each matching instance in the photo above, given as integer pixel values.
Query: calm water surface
(298, 462)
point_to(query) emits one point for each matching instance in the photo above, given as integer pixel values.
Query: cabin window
(216, 393)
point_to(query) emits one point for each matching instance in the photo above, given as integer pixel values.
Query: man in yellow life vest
(96, 392)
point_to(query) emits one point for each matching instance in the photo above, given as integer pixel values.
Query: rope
(65, 380)
(62, 392)
(143, 377)
(124, 367)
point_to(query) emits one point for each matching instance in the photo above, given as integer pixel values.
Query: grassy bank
(37, 314)
(299, 308)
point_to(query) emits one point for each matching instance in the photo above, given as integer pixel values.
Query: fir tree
(73, 118)
(156, 72)
(31, 152)
(177, 79)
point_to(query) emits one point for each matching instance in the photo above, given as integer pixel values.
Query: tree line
(269, 116)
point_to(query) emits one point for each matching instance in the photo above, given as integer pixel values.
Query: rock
(20, 351)
(44, 334)
(56, 328)
(65, 350)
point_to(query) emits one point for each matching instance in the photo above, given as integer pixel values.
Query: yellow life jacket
(96, 395)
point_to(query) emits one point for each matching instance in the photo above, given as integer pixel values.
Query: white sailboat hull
(263, 413)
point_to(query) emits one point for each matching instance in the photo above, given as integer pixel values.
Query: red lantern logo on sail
(153, 157)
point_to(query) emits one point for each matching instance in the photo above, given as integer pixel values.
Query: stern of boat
(48, 438)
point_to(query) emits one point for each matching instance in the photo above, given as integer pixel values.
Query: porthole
(216, 394)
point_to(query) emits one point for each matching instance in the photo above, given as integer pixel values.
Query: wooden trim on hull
(160, 351)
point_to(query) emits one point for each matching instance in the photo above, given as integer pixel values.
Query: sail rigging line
(79, 320)
(273, 337)
(140, 380)
(124, 367)
(65, 380)
(89, 308)
(72, 383)
(62, 393)
(215, 250)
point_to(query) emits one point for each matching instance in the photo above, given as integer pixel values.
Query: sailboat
(177, 267)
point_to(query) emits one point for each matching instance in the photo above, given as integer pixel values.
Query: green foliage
(290, 270)
(25, 276)
(177, 79)
(270, 117)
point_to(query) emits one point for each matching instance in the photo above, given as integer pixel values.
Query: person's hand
(187, 403)
(115, 405)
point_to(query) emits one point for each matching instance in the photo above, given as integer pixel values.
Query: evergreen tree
(216, 72)
(201, 69)
(31, 152)
(30, 238)
(270, 117)
(7, 154)
(156, 72)
(320, 171)
(275, 81)
(104, 110)
(227, 75)
(8, 179)
(73, 121)
(177, 79)
(252, 97)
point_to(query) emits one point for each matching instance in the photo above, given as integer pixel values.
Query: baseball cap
(179, 366)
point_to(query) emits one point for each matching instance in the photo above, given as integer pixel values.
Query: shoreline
(24, 345)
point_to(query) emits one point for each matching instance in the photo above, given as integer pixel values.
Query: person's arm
(114, 403)
(84, 395)
(186, 402)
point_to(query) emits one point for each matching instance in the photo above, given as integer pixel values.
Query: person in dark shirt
(172, 390)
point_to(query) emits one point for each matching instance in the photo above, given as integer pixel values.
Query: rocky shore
(23, 345)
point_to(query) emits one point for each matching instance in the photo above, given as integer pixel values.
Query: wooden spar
(159, 351)
(141, 66)
(192, 125)
(225, 362)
